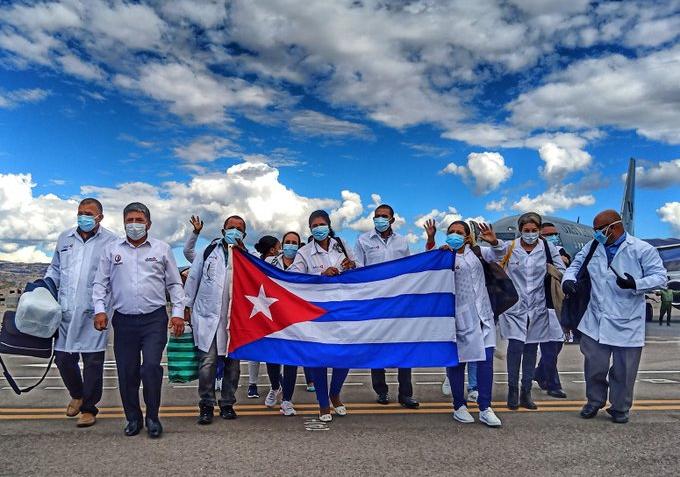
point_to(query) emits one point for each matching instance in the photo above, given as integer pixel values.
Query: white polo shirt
(371, 248)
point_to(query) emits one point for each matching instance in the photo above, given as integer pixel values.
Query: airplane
(575, 235)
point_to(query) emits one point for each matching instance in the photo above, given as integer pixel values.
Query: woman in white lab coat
(475, 330)
(326, 255)
(528, 322)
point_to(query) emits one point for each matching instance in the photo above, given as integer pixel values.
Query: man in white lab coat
(622, 270)
(73, 268)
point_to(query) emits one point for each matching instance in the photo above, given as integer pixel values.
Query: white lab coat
(207, 294)
(73, 268)
(615, 316)
(475, 328)
(313, 259)
(190, 247)
(528, 320)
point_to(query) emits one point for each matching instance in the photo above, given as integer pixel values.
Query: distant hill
(16, 275)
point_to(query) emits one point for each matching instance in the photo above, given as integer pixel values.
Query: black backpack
(575, 305)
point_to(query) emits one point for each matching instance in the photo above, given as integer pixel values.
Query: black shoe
(618, 417)
(205, 414)
(557, 393)
(408, 402)
(541, 384)
(227, 412)
(513, 397)
(383, 399)
(133, 428)
(525, 400)
(154, 428)
(589, 411)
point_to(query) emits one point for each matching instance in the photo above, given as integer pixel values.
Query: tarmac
(38, 439)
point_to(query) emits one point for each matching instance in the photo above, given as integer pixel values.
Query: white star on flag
(261, 304)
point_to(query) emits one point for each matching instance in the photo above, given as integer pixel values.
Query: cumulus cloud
(487, 170)
(658, 176)
(558, 198)
(670, 213)
(497, 205)
(365, 224)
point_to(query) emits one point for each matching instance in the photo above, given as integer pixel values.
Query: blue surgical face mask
(320, 232)
(530, 237)
(381, 224)
(603, 235)
(554, 239)
(232, 236)
(135, 231)
(290, 250)
(455, 241)
(86, 223)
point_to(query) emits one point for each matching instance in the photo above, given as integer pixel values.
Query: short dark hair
(137, 207)
(283, 237)
(93, 201)
(547, 224)
(388, 207)
(236, 217)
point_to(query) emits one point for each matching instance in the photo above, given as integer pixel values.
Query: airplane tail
(628, 205)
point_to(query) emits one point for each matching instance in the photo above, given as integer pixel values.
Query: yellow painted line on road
(8, 414)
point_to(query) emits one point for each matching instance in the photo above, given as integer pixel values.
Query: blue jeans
(472, 376)
(456, 375)
(320, 376)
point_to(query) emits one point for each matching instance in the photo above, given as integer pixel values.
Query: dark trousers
(456, 375)
(207, 369)
(666, 309)
(87, 386)
(138, 342)
(522, 355)
(621, 374)
(546, 372)
(320, 376)
(274, 373)
(380, 385)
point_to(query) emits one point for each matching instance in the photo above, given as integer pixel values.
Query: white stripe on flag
(389, 330)
(434, 281)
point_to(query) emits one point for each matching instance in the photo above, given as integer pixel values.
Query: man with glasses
(622, 269)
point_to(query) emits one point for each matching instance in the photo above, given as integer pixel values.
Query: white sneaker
(287, 408)
(462, 415)
(340, 410)
(446, 387)
(273, 396)
(218, 384)
(488, 417)
(472, 396)
(325, 418)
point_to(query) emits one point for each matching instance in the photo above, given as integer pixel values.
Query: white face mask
(530, 237)
(135, 231)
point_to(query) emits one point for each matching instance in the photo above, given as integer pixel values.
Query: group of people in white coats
(127, 279)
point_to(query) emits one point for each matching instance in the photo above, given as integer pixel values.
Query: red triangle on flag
(260, 306)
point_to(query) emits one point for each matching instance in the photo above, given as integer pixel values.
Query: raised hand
(487, 234)
(197, 223)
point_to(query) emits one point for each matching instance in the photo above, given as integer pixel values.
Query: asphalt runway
(37, 438)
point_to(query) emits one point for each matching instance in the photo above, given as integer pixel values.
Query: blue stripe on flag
(402, 306)
(421, 262)
(373, 355)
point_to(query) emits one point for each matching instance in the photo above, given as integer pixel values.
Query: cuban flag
(395, 314)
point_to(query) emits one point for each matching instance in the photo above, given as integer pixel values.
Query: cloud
(658, 176)
(313, 123)
(486, 169)
(557, 198)
(12, 99)
(365, 224)
(206, 149)
(249, 189)
(638, 94)
(560, 161)
(670, 213)
(497, 205)
(29, 253)
(77, 67)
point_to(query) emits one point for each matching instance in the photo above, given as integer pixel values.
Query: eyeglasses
(606, 227)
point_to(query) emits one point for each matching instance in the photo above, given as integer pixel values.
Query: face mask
(232, 236)
(320, 232)
(289, 250)
(553, 239)
(530, 237)
(135, 231)
(86, 223)
(381, 224)
(603, 235)
(455, 241)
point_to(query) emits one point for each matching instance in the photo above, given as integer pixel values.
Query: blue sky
(270, 110)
